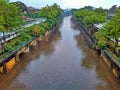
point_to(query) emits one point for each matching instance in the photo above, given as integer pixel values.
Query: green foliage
(1, 51)
(89, 17)
(12, 44)
(100, 34)
(100, 37)
(44, 25)
(49, 25)
(110, 31)
(113, 26)
(7, 48)
(41, 31)
(32, 12)
(21, 5)
(81, 14)
(101, 11)
(50, 12)
(101, 44)
(29, 30)
(25, 37)
(2, 22)
(10, 16)
(13, 19)
(87, 20)
(18, 41)
(117, 49)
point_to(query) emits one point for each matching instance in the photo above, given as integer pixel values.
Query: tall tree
(21, 5)
(50, 12)
(101, 11)
(2, 22)
(10, 16)
(113, 27)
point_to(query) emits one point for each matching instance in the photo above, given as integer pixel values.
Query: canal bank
(10, 59)
(65, 62)
(108, 57)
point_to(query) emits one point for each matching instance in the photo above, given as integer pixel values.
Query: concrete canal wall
(109, 59)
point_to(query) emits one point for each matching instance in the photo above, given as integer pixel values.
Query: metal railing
(15, 49)
(9, 36)
(113, 57)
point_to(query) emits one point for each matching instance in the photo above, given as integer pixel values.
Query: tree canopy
(51, 11)
(89, 17)
(112, 28)
(21, 5)
(10, 16)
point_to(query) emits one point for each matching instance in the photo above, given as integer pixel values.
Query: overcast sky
(71, 3)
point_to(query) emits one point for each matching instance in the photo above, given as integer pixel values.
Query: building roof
(99, 26)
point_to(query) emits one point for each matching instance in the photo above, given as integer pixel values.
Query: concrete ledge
(9, 65)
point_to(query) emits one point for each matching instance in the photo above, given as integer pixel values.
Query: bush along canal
(103, 45)
(25, 39)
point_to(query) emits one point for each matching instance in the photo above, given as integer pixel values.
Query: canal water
(65, 62)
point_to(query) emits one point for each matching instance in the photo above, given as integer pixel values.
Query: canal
(65, 62)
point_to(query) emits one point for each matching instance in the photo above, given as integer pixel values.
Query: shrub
(7, 48)
(18, 42)
(42, 31)
(49, 25)
(29, 30)
(117, 49)
(44, 25)
(36, 29)
(12, 43)
(26, 37)
(101, 44)
(1, 51)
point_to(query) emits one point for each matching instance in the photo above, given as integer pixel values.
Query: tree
(13, 18)
(2, 22)
(90, 17)
(91, 8)
(21, 5)
(32, 12)
(113, 27)
(87, 21)
(100, 11)
(10, 17)
(50, 12)
(82, 13)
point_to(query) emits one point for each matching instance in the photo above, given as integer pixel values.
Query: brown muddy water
(65, 62)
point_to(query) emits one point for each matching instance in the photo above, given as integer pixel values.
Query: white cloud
(95, 3)
(79, 3)
(71, 3)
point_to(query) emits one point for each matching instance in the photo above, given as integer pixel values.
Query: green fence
(113, 57)
(14, 50)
